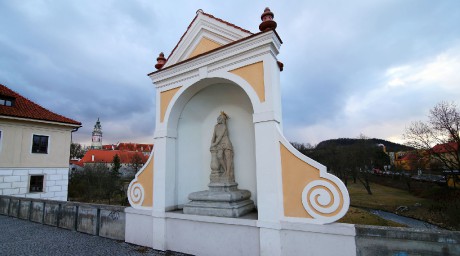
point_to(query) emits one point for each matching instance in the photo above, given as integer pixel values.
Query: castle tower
(96, 142)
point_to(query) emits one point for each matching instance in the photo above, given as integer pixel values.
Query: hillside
(343, 142)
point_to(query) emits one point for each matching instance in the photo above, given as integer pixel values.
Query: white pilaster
(268, 185)
(164, 186)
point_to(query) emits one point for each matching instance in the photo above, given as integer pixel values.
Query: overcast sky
(351, 67)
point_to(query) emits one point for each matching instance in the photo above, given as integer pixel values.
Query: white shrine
(218, 66)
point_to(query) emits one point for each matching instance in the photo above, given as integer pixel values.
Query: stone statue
(221, 153)
(223, 198)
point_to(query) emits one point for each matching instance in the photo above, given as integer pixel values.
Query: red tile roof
(135, 147)
(106, 156)
(445, 148)
(75, 162)
(109, 147)
(212, 17)
(129, 147)
(25, 108)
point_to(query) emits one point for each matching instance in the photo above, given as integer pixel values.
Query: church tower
(96, 142)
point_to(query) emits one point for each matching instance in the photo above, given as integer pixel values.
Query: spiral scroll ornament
(136, 194)
(317, 200)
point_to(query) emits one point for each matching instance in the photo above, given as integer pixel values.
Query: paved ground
(409, 222)
(20, 237)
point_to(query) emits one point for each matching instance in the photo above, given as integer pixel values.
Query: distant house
(34, 148)
(145, 149)
(132, 155)
(449, 151)
(415, 161)
(128, 164)
(448, 156)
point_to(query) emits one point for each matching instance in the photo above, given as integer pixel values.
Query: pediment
(204, 34)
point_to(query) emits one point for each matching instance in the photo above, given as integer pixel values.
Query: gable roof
(25, 108)
(192, 34)
(202, 26)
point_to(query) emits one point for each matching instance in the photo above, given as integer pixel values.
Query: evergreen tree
(116, 164)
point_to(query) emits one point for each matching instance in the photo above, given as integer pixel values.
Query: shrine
(223, 179)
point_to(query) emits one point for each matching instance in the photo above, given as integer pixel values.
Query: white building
(34, 148)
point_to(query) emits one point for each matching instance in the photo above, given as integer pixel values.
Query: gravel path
(412, 223)
(21, 237)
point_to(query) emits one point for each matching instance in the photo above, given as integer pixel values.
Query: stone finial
(280, 65)
(161, 60)
(267, 21)
(267, 15)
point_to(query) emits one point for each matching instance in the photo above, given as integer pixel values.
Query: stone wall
(375, 240)
(95, 219)
(15, 182)
(242, 236)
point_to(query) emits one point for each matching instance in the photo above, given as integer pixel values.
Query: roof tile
(106, 156)
(25, 108)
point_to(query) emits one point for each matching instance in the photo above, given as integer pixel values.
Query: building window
(6, 101)
(36, 183)
(40, 144)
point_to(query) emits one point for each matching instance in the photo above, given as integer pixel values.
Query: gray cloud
(89, 59)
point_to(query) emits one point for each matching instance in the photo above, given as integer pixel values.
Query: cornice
(39, 121)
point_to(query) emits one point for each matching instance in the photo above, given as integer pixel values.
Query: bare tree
(362, 162)
(350, 158)
(439, 136)
(136, 162)
(76, 151)
(303, 148)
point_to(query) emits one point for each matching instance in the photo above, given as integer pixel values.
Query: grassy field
(382, 198)
(388, 199)
(360, 216)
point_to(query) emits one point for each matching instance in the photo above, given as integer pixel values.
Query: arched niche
(195, 115)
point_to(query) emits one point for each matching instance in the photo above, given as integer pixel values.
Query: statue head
(222, 118)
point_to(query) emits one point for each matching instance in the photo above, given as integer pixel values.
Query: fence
(95, 219)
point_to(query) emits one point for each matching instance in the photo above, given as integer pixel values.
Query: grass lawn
(387, 199)
(382, 198)
(360, 216)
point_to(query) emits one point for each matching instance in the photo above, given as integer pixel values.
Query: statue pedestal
(222, 200)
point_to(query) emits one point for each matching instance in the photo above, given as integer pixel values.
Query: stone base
(220, 196)
(221, 200)
(219, 209)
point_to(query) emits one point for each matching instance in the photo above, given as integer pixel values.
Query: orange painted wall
(165, 99)
(254, 75)
(205, 45)
(296, 174)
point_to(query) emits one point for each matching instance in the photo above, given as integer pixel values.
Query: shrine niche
(221, 162)
(223, 198)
